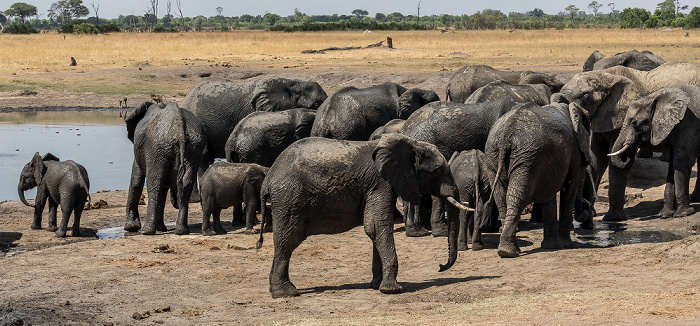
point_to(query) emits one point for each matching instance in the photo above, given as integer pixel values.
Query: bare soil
(184, 280)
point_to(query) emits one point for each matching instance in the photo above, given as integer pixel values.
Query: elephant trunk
(624, 149)
(452, 234)
(21, 197)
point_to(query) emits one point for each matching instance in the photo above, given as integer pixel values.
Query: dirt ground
(185, 280)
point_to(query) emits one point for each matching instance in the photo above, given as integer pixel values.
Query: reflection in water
(616, 234)
(95, 139)
(118, 232)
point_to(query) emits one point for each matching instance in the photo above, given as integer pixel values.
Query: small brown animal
(157, 98)
(73, 62)
(122, 103)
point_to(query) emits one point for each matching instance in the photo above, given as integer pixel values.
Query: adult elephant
(534, 153)
(667, 118)
(353, 114)
(634, 59)
(468, 79)
(394, 125)
(261, 136)
(327, 186)
(605, 96)
(220, 105)
(169, 144)
(535, 93)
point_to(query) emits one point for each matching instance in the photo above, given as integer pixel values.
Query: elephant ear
(134, 117)
(271, 95)
(413, 99)
(49, 157)
(304, 122)
(396, 160)
(582, 127)
(669, 106)
(617, 93)
(592, 59)
(252, 175)
(37, 165)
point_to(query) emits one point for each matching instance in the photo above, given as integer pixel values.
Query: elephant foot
(237, 223)
(162, 228)
(184, 230)
(132, 226)
(250, 231)
(376, 282)
(439, 230)
(389, 287)
(462, 246)
(208, 232)
(148, 229)
(36, 226)
(61, 234)
(52, 228)
(417, 231)
(285, 290)
(220, 230)
(568, 243)
(667, 212)
(477, 246)
(614, 216)
(76, 232)
(552, 243)
(684, 211)
(508, 250)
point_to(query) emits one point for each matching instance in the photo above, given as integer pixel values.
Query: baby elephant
(65, 183)
(230, 184)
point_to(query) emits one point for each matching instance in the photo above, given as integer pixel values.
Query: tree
(271, 19)
(21, 10)
(219, 10)
(153, 11)
(614, 12)
(572, 9)
(634, 17)
(537, 12)
(418, 17)
(66, 10)
(178, 3)
(379, 16)
(97, 12)
(693, 20)
(679, 7)
(594, 6)
(360, 13)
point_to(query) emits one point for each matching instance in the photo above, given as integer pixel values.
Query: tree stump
(388, 42)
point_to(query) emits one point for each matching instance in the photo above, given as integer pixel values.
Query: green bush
(109, 28)
(161, 29)
(20, 29)
(85, 28)
(68, 28)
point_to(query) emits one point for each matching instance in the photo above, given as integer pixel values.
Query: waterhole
(616, 234)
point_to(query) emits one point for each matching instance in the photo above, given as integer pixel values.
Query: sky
(207, 8)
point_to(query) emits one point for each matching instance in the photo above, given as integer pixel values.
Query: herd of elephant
(317, 164)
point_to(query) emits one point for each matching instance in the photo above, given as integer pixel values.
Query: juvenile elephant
(535, 152)
(169, 144)
(60, 183)
(666, 118)
(261, 136)
(634, 59)
(230, 184)
(328, 186)
(468, 79)
(605, 96)
(394, 125)
(501, 90)
(220, 105)
(353, 114)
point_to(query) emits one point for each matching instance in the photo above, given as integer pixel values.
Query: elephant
(605, 96)
(329, 186)
(535, 93)
(261, 136)
(667, 118)
(220, 105)
(534, 153)
(451, 127)
(227, 184)
(353, 114)
(60, 183)
(469, 78)
(634, 59)
(169, 145)
(394, 125)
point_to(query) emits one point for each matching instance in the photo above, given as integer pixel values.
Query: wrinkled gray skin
(535, 152)
(169, 144)
(230, 184)
(60, 183)
(353, 114)
(327, 186)
(634, 59)
(451, 127)
(468, 79)
(391, 126)
(667, 119)
(605, 97)
(262, 136)
(220, 105)
(535, 93)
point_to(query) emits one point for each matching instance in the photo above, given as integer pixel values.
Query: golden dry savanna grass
(414, 50)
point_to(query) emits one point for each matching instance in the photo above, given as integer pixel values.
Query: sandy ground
(185, 280)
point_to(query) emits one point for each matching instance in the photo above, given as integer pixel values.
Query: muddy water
(95, 139)
(615, 234)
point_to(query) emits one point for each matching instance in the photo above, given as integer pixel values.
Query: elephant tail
(86, 186)
(264, 198)
(488, 206)
(181, 160)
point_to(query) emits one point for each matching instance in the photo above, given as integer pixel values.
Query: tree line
(65, 16)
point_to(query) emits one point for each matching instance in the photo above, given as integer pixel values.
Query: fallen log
(334, 48)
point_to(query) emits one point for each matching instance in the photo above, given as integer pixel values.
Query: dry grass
(414, 50)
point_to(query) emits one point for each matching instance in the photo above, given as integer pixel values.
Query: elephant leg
(251, 207)
(550, 225)
(466, 226)
(377, 273)
(188, 183)
(695, 196)
(536, 213)
(218, 228)
(39, 204)
(157, 194)
(616, 195)
(238, 219)
(207, 229)
(669, 208)
(133, 222)
(53, 212)
(438, 222)
(413, 226)
(77, 214)
(379, 226)
(681, 176)
(507, 247)
(286, 238)
(66, 211)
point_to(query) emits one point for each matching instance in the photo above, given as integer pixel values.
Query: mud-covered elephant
(669, 118)
(227, 184)
(353, 114)
(534, 153)
(220, 105)
(501, 90)
(261, 136)
(394, 125)
(644, 60)
(328, 186)
(58, 183)
(468, 79)
(169, 144)
(605, 97)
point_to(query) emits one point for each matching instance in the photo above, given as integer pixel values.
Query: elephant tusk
(622, 150)
(462, 206)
